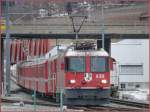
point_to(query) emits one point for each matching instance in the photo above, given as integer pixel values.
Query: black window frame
(67, 64)
(106, 64)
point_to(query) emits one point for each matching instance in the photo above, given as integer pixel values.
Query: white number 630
(100, 76)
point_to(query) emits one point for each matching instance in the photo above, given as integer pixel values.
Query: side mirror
(111, 63)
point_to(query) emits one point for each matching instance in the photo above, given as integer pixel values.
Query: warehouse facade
(132, 58)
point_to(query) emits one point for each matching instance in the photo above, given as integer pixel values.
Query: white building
(132, 58)
(43, 13)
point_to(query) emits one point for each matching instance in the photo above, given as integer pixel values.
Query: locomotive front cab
(87, 76)
(87, 71)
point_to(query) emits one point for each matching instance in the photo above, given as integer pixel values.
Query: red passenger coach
(83, 75)
(33, 75)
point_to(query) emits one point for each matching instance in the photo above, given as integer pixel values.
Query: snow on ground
(137, 95)
(20, 106)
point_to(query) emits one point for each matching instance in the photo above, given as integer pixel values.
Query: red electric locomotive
(83, 75)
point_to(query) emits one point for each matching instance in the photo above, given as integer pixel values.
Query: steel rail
(87, 108)
(41, 103)
(130, 103)
(103, 108)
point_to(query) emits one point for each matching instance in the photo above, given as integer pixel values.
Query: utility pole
(1, 73)
(7, 51)
(149, 46)
(103, 26)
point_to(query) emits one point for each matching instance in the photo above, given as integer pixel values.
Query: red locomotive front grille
(80, 80)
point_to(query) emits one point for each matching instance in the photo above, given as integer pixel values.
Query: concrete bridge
(128, 20)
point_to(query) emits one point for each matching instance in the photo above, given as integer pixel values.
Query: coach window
(75, 64)
(99, 64)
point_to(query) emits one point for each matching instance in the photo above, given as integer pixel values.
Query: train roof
(33, 62)
(70, 51)
(88, 52)
(54, 52)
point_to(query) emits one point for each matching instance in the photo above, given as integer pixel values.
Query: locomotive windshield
(75, 64)
(99, 64)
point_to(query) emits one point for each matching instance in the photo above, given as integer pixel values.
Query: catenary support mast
(7, 51)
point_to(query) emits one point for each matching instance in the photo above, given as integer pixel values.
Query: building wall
(132, 53)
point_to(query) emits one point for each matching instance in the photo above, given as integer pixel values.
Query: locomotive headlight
(104, 81)
(72, 81)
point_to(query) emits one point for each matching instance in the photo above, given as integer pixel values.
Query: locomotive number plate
(100, 76)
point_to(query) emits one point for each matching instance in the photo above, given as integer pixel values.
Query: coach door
(52, 77)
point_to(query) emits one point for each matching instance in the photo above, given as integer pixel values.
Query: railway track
(130, 103)
(52, 103)
(107, 109)
(41, 103)
(123, 105)
(90, 108)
